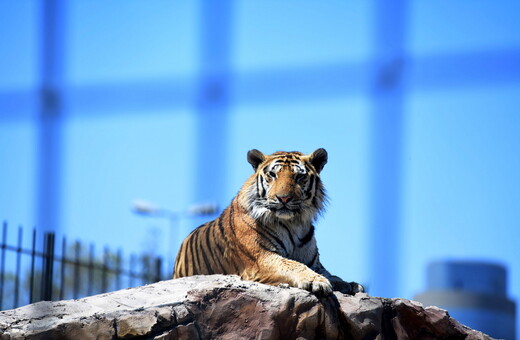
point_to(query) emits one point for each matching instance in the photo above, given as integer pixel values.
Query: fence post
(158, 265)
(2, 264)
(18, 268)
(104, 273)
(48, 262)
(31, 278)
(77, 268)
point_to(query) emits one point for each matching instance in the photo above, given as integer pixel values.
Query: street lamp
(148, 209)
(143, 207)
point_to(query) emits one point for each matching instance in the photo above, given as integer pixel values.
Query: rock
(225, 307)
(135, 324)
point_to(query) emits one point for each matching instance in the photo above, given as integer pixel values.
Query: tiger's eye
(272, 174)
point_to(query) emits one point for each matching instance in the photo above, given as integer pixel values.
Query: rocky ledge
(225, 307)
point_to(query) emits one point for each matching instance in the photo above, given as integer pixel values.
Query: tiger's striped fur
(266, 234)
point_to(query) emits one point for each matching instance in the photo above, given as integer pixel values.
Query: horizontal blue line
(276, 85)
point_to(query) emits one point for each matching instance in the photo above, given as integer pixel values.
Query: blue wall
(417, 104)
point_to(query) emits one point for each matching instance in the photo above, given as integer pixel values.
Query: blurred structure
(474, 293)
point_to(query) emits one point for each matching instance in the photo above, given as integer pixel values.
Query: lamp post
(148, 209)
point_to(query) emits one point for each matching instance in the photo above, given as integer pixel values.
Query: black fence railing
(29, 273)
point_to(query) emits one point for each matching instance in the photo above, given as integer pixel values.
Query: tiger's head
(285, 185)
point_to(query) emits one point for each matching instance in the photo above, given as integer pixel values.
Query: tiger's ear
(318, 159)
(255, 158)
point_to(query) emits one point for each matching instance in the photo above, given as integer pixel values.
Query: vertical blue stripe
(213, 100)
(49, 134)
(386, 147)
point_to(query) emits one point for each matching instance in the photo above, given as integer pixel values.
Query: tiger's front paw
(356, 288)
(319, 285)
(350, 288)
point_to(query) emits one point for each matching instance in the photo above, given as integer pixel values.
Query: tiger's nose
(284, 199)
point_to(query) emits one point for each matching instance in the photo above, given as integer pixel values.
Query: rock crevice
(225, 307)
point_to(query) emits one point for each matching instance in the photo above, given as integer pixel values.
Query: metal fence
(31, 273)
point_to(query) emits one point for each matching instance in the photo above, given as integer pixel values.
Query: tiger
(267, 233)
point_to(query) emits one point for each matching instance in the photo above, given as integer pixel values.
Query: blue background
(417, 103)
